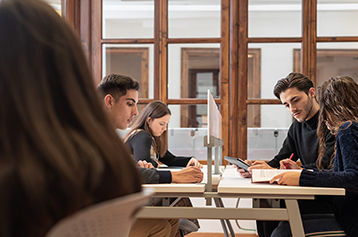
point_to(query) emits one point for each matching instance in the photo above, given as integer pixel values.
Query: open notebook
(265, 175)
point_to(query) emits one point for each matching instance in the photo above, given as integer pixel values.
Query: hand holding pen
(288, 163)
(290, 159)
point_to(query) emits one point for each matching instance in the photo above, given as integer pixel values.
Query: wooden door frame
(186, 53)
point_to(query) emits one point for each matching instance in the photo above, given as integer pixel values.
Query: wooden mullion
(305, 36)
(193, 40)
(224, 75)
(160, 50)
(242, 78)
(96, 56)
(263, 101)
(271, 40)
(312, 35)
(188, 101)
(85, 29)
(127, 41)
(337, 39)
(233, 133)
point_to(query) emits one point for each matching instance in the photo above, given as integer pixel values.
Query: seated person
(59, 152)
(147, 138)
(338, 100)
(120, 98)
(298, 95)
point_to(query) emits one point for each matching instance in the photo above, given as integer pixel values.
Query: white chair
(112, 218)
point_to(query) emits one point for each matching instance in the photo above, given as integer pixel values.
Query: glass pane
(337, 18)
(128, 19)
(56, 4)
(334, 59)
(194, 68)
(267, 63)
(272, 18)
(132, 60)
(192, 116)
(187, 129)
(194, 18)
(264, 142)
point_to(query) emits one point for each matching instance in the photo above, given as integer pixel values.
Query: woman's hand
(194, 162)
(287, 178)
(145, 164)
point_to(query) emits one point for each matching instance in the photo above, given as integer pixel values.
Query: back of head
(338, 99)
(59, 152)
(116, 85)
(297, 80)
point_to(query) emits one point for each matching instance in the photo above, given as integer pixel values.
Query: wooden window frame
(87, 16)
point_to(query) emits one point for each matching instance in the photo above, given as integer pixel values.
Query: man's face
(124, 110)
(298, 103)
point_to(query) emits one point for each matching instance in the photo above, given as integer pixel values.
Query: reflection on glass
(128, 19)
(194, 68)
(132, 60)
(271, 18)
(194, 18)
(333, 59)
(264, 141)
(337, 18)
(268, 62)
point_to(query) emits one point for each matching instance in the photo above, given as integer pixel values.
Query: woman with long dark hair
(58, 150)
(338, 100)
(147, 138)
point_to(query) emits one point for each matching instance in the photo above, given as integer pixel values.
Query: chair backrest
(112, 218)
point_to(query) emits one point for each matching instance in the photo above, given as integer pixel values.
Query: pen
(290, 159)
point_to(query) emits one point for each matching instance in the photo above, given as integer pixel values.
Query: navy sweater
(344, 175)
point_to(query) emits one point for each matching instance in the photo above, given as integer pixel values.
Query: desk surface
(232, 183)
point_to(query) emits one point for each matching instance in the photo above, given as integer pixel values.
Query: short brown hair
(116, 85)
(294, 79)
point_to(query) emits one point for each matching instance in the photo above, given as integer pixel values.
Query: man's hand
(288, 164)
(187, 175)
(287, 178)
(260, 164)
(194, 162)
(145, 164)
(243, 173)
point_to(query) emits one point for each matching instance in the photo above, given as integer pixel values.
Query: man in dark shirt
(120, 98)
(297, 94)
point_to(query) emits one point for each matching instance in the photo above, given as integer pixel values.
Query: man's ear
(312, 92)
(109, 101)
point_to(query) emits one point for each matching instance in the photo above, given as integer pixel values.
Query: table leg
(219, 203)
(294, 218)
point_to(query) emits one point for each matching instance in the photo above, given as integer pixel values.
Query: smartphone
(237, 161)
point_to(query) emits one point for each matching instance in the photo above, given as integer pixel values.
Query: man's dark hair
(116, 85)
(294, 79)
